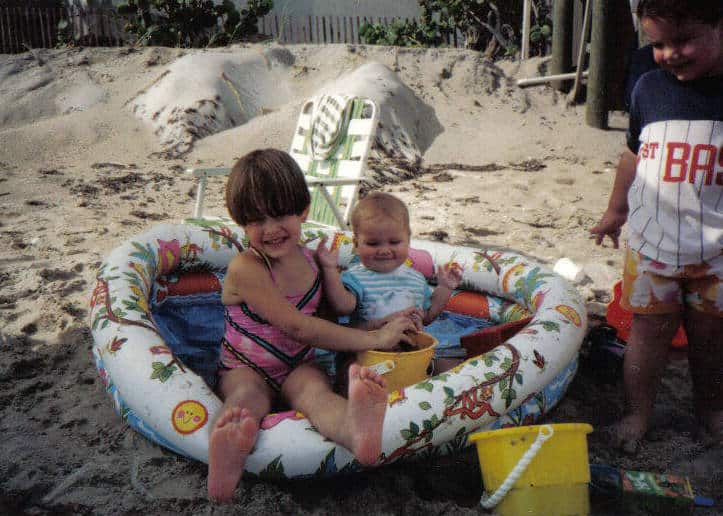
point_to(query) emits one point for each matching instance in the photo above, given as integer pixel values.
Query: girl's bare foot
(232, 438)
(365, 413)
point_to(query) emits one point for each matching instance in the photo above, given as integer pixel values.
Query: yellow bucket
(402, 368)
(555, 481)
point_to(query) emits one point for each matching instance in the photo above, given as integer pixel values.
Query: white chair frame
(202, 174)
(351, 170)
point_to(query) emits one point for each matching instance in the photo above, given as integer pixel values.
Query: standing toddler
(669, 190)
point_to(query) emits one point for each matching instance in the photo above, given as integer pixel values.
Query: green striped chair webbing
(320, 210)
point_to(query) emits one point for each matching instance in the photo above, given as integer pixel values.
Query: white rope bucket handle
(488, 502)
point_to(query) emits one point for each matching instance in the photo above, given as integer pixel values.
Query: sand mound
(199, 95)
(202, 94)
(33, 89)
(406, 124)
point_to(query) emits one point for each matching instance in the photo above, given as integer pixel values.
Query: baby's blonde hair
(376, 205)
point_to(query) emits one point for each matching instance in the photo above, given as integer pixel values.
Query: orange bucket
(622, 320)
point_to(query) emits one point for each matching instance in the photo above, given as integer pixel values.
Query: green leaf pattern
(496, 370)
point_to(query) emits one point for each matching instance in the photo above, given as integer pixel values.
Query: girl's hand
(449, 275)
(326, 257)
(392, 333)
(414, 314)
(609, 225)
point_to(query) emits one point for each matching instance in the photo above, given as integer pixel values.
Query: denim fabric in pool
(449, 327)
(192, 325)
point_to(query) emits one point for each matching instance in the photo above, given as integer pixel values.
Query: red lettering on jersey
(679, 163)
(707, 166)
(643, 154)
(653, 147)
(647, 150)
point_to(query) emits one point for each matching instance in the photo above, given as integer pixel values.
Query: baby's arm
(248, 280)
(617, 212)
(449, 276)
(339, 298)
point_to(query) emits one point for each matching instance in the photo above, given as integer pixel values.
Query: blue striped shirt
(380, 294)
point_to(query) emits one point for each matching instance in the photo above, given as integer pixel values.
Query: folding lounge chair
(334, 181)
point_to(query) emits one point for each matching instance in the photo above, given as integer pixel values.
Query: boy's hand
(449, 275)
(392, 333)
(325, 257)
(609, 225)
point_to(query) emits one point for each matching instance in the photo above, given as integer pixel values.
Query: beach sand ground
(80, 173)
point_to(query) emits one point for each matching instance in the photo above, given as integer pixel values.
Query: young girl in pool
(271, 292)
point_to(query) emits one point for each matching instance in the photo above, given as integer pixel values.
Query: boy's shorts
(651, 287)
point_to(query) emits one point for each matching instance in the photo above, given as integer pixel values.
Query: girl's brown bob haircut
(379, 204)
(265, 183)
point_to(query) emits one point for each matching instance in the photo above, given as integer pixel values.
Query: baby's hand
(413, 313)
(394, 332)
(449, 275)
(326, 257)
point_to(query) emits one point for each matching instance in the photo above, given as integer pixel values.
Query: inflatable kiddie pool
(157, 392)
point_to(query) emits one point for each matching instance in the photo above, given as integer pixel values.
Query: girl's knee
(244, 389)
(307, 381)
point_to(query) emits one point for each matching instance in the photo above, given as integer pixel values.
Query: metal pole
(534, 81)
(525, 44)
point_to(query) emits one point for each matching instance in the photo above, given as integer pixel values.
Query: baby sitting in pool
(382, 286)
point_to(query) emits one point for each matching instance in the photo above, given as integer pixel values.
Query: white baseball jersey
(676, 200)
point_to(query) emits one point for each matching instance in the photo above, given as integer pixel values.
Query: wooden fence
(22, 28)
(327, 29)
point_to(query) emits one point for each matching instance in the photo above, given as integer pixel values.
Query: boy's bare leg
(247, 399)
(355, 423)
(645, 359)
(705, 358)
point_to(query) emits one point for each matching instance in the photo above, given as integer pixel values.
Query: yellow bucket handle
(488, 502)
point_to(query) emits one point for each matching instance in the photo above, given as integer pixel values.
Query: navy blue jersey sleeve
(659, 96)
(633, 134)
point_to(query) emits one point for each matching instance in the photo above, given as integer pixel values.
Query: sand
(93, 147)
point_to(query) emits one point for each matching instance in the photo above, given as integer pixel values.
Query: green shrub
(191, 23)
(402, 34)
(485, 25)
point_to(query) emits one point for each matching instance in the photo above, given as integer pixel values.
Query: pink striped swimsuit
(252, 342)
